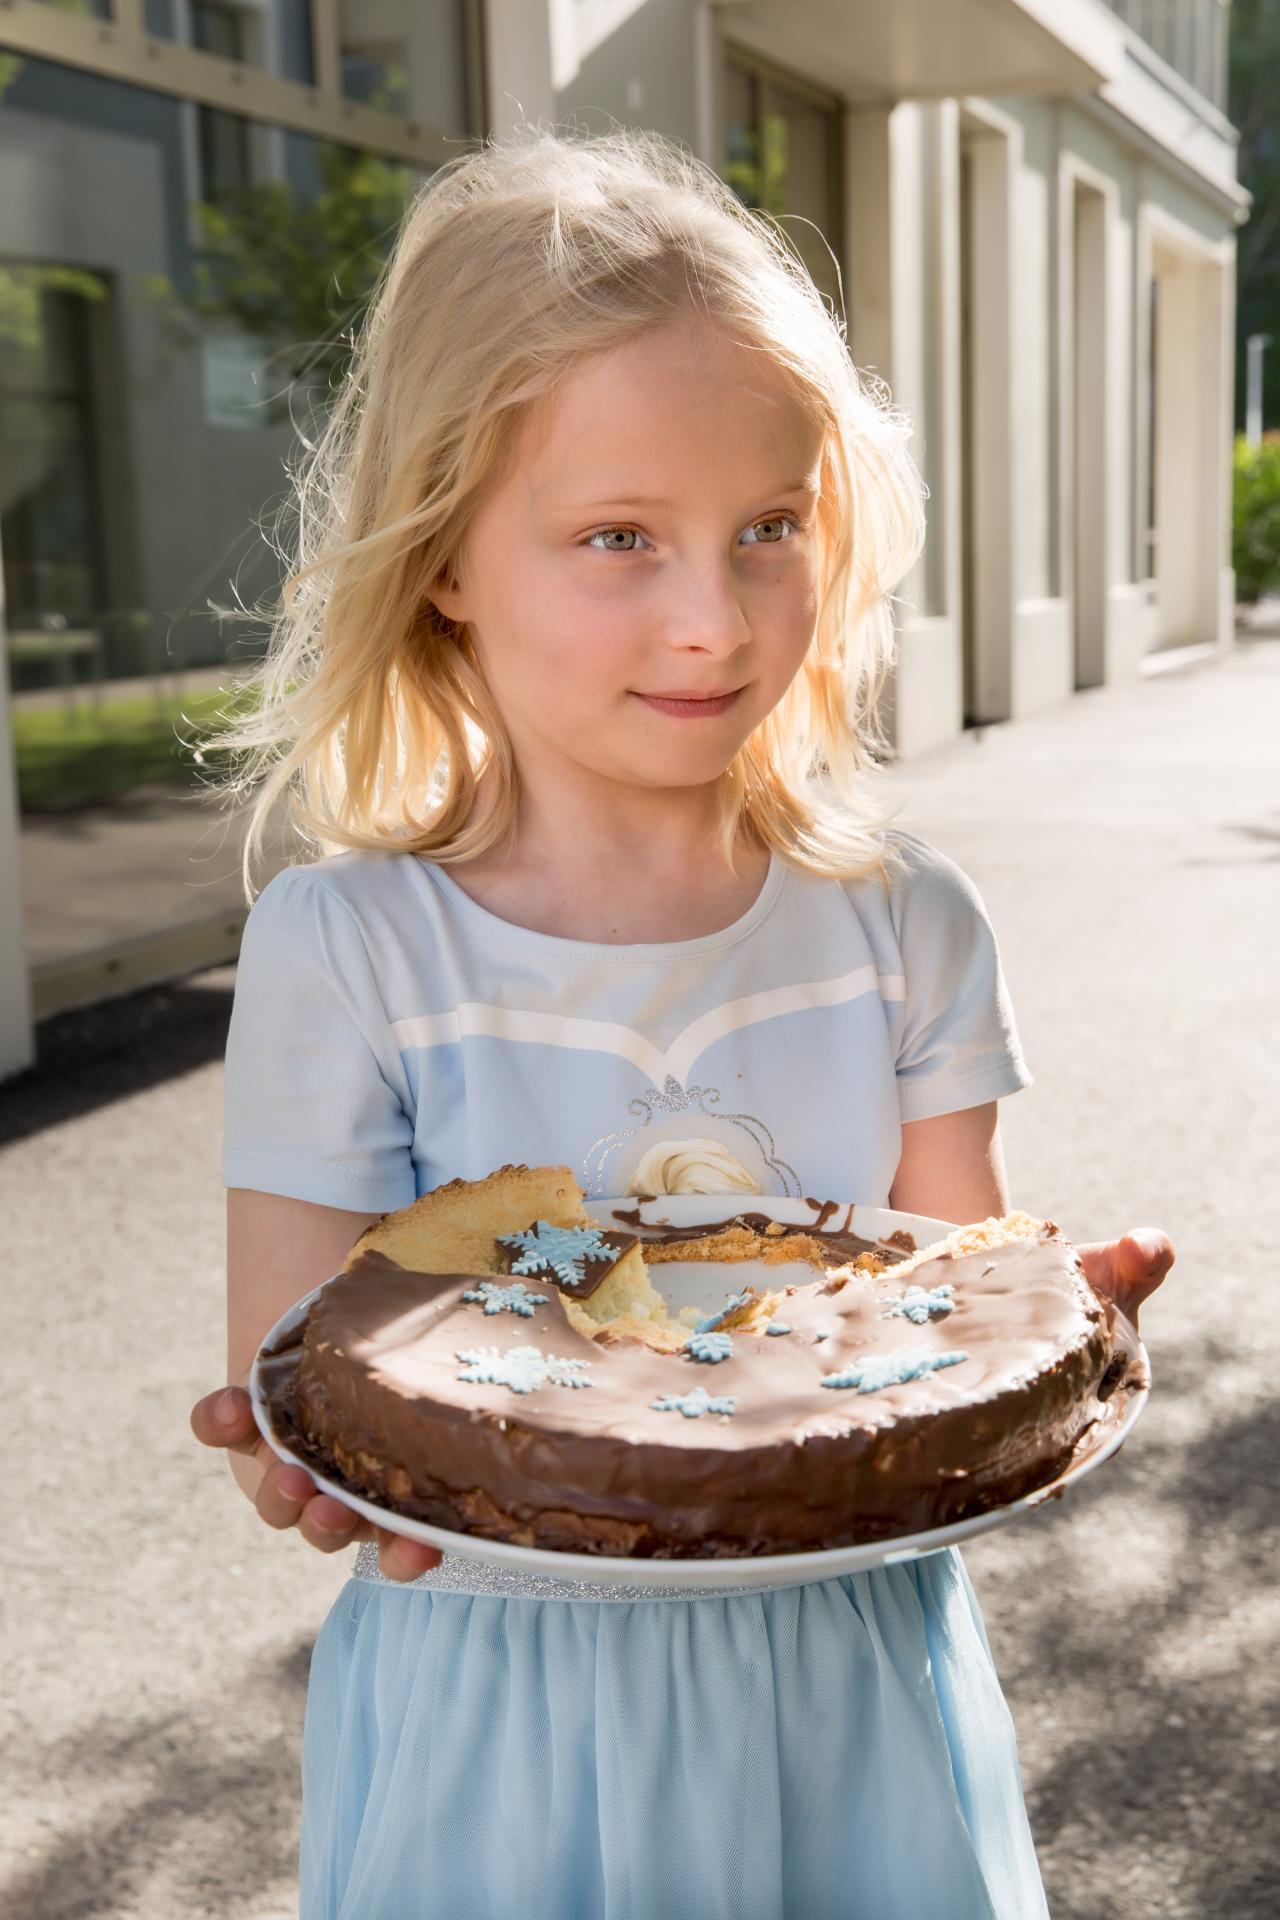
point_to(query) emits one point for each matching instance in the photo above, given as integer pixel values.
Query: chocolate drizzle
(841, 1240)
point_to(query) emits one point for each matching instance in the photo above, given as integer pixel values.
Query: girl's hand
(1130, 1268)
(286, 1495)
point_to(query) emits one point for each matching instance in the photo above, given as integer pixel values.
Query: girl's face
(642, 587)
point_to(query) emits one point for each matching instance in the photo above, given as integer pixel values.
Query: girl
(579, 665)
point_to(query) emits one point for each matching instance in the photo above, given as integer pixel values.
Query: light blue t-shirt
(389, 1034)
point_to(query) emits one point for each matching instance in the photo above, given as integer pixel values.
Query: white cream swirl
(690, 1166)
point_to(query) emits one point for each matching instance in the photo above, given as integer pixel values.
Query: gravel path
(1128, 849)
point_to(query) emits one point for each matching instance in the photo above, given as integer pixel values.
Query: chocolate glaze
(372, 1385)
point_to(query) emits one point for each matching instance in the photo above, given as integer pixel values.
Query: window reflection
(224, 154)
(274, 35)
(782, 157)
(376, 72)
(178, 297)
(742, 115)
(94, 9)
(406, 57)
(48, 522)
(217, 28)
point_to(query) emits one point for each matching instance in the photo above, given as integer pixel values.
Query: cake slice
(460, 1228)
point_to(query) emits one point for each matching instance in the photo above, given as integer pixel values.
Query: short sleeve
(312, 1107)
(959, 1045)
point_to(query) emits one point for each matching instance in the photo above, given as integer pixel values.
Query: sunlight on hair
(370, 717)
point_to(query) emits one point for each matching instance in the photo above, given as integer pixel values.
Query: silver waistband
(457, 1573)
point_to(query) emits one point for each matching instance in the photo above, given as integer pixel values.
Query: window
(49, 525)
(783, 156)
(274, 35)
(160, 352)
(407, 57)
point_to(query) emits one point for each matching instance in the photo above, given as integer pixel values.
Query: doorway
(783, 155)
(986, 423)
(1185, 436)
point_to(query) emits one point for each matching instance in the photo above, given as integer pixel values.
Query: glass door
(783, 155)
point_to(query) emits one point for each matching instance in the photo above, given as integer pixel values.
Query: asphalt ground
(1127, 846)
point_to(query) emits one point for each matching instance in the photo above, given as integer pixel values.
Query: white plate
(687, 1284)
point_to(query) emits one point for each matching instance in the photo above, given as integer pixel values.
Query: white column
(1255, 346)
(1090, 412)
(900, 192)
(948, 527)
(869, 240)
(993, 462)
(518, 59)
(708, 75)
(1224, 437)
(17, 1037)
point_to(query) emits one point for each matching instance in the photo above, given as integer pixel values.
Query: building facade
(1026, 210)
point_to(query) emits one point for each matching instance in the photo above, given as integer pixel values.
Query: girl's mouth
(690, 706)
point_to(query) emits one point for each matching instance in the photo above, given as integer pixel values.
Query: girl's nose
(706, 614)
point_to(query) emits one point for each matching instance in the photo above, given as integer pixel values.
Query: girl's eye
(774, 520)
(610, 533)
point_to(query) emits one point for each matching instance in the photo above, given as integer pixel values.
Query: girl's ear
(447, 596)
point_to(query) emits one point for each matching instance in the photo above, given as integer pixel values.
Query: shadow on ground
(88, 1058)
(1264, 836)
(1159, 1799)
(1161, 1722)
(180, 1788)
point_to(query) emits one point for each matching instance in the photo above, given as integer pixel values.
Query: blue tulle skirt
(833, 1751)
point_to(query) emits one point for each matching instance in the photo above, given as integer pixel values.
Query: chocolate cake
(494, 1362)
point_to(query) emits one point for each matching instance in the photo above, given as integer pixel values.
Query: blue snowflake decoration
(821, 1333)
(563, 1251)
(920, 1306)
(709, 1346)
(523, 1369)
(714, 1319)
(513, 1299)
(777, 1326)
(871, 1373)
(694, 1405)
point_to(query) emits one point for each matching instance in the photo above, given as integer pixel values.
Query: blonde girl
(573, 688)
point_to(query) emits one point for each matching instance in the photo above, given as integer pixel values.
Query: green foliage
(1255, 537)
(293, 271)
(22, 291)
(11, 64)
(757, 166)
(69, 758)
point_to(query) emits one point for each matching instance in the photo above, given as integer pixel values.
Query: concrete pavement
(1128, 849)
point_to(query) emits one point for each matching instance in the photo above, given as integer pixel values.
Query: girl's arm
(277, 1250)
(952, 1168)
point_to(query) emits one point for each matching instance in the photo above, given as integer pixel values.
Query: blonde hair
(516, 258)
